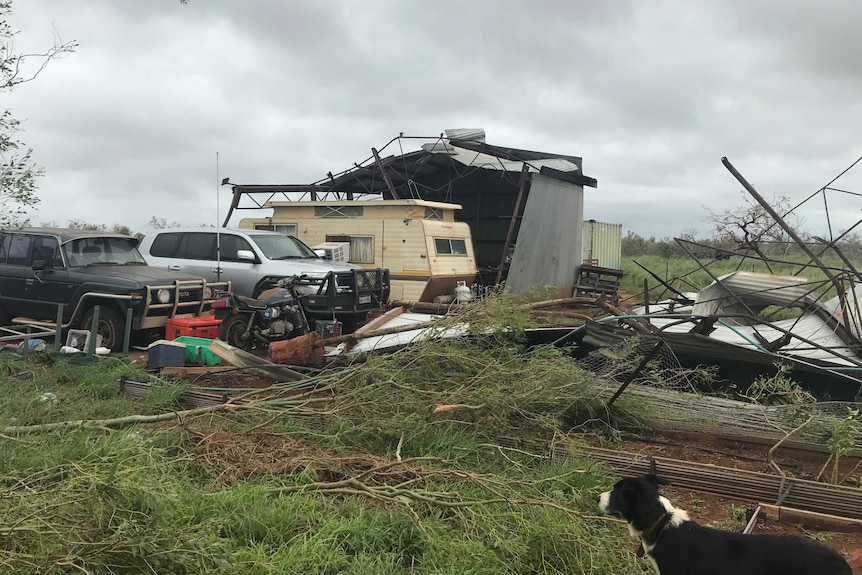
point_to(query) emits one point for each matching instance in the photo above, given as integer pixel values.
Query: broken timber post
(300, 350)
(522, 185)
(257, 365)
(386, 177)
(642, 327)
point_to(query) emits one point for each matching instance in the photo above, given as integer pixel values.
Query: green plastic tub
(197, 350)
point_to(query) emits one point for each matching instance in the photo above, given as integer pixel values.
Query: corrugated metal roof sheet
(810, 327)
(468, 134)
(488, 161)
(854, 305)
(812, 337)
(755, 289)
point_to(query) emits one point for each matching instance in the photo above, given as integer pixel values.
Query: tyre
(112, 327)
(233, 330)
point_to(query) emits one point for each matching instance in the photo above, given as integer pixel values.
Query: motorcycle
(276, 314)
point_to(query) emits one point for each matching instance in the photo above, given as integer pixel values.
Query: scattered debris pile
(749, 324)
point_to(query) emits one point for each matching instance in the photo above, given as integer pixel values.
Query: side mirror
(245, 255)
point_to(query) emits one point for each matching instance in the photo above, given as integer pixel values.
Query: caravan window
(286, 229)
(450, 246)
(361, 247)
(338, 211)
(433, 214)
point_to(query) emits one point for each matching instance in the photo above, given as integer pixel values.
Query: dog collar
(653, 530)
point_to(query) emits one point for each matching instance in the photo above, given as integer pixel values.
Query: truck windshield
(109, 251)
(282, 247)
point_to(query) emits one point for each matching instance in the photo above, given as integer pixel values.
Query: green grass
(165, 396)
(240, 493)
(36, 391)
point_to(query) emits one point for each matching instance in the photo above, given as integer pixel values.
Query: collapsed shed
(508, 196)
(750, 325)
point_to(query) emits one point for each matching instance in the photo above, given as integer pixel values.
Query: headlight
(314, 277)
(208, 293)
(163, 296)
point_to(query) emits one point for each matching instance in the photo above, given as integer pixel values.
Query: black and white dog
(679, 546)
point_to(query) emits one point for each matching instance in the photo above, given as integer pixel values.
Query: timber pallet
(598, 282)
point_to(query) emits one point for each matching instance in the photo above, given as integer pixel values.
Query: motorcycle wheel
(233, 331)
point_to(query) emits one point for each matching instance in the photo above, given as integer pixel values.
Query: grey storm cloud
(652, 95)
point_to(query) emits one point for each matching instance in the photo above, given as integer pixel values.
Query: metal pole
(522, 185)
(661, 281)
(839, 287)
(785, 226)
(714, 278)
(94, 330)
(234, 204)
(58, 337)
(218, 229)
(647, 358)
(646, 296)
(127, 337)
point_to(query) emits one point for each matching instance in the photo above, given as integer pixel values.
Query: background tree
(161, 223)
(749, 226)
(85, 225)
(18, 172)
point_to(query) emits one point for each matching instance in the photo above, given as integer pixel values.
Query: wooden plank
(192, 370)
(380, 320)
(385, 173)
(257, 365)
(810, 519)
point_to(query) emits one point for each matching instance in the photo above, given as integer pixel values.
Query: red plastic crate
(202, 326)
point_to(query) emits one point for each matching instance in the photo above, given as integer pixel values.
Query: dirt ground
(717, 511)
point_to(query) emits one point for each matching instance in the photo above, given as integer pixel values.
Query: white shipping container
(602, 244)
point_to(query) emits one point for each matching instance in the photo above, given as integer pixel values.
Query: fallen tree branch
(353, 486)
(562, 301)
(453, 406)
(117, 421)
(356, 485)
(128, 420)
(774, 448)
(563, 313)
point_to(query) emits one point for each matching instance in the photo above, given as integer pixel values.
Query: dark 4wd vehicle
(79, 269)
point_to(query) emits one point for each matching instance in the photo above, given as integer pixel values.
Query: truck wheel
(233, 331)
(112, 327)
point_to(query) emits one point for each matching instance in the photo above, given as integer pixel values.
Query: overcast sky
(650, 94)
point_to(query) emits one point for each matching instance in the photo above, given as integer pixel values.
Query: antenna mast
(218, 225)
